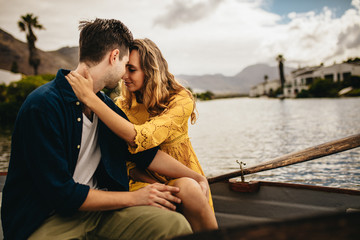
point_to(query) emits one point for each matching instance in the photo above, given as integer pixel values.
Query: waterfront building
(267, 88)
(301, 78)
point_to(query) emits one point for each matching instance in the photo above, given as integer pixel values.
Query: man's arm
(158, 195)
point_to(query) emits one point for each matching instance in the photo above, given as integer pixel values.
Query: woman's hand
(82, 86)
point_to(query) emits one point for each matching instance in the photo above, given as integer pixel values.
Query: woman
(158, 108)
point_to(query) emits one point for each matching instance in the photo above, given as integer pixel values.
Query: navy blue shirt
(44, 151)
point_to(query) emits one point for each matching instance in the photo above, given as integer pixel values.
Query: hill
(13, 50)
(239, 83)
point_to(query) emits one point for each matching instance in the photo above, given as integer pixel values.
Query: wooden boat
(273, 210)
(236, 204)
(270, 209)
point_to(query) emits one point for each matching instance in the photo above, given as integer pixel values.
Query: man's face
(117, 72)
(122, 65)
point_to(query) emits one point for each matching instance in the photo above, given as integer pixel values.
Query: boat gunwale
(233, 184)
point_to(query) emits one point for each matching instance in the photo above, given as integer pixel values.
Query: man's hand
(158, 195)
(166, 165)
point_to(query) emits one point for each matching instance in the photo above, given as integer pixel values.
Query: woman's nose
(126, 75)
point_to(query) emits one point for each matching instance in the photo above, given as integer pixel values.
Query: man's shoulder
(108, 101)
(46, 92)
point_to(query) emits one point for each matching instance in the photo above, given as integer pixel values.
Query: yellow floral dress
(168, 130)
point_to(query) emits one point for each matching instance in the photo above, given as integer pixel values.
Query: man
(67, 177)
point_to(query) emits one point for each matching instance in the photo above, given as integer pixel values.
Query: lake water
(257, 130)
(254, 130)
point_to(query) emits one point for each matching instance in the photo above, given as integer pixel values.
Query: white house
(301, 78)
(338, 72)
(265, 88)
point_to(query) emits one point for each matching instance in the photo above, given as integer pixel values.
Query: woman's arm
(83, 88)
(159, 128)
(140, 175)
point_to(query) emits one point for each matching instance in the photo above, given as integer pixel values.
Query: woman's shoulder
(182, 94)
(181, 98)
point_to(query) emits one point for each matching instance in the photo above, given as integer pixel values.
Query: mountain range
(240, 83)
(13, 51)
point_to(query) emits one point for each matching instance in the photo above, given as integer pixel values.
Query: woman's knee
(187, 185)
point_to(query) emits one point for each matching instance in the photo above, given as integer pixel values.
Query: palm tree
(266, 77)
(281, 60)
(26, 24)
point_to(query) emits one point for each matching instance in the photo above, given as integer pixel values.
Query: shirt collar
(64, 86)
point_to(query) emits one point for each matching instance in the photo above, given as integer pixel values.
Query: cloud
(310, 38)
(199, 36)
(181, 12)
(350, 38)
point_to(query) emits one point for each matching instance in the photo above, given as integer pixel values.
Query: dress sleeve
(141, 159)
(159, 128)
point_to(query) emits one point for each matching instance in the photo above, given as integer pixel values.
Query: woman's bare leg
(194, 205)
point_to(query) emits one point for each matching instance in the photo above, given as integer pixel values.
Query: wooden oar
(307, 154)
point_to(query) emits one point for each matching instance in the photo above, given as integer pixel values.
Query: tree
(14, 67)
(281, 60)
(26, 24)
(266, 77)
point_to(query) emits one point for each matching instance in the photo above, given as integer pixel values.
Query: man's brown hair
(100, 36)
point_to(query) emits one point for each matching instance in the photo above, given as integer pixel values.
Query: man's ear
(114, 54)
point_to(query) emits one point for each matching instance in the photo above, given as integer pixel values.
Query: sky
(208, 36)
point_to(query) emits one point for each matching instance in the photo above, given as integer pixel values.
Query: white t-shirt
(89, 155)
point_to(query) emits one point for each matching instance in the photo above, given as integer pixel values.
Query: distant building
(267, 88)
(338, 72)
(301, 78)
(6, 77)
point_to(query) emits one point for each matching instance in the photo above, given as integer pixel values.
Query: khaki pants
(135, 223)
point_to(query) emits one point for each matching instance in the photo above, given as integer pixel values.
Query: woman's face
(134, 76)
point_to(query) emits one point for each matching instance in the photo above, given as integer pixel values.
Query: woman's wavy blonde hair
(159, 84)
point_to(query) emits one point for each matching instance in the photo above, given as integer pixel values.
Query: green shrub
(354, 93)
(13, 95)
(205, 96)
(324, 88)
(303, 94)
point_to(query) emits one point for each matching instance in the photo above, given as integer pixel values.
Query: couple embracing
(84, 167)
